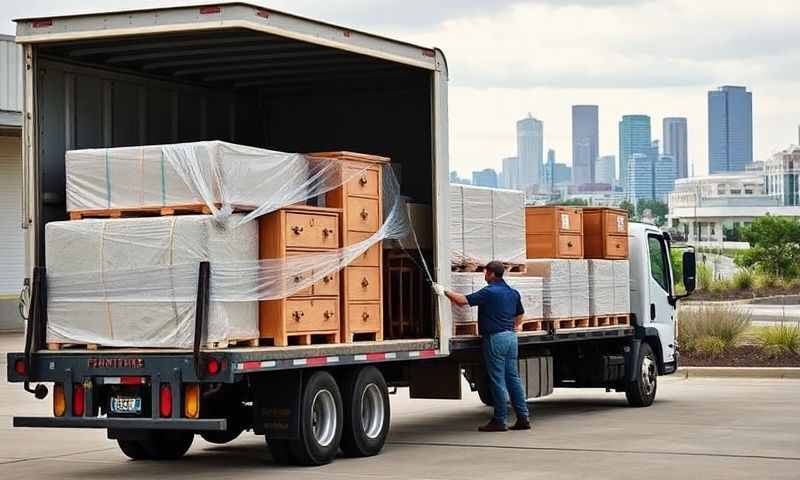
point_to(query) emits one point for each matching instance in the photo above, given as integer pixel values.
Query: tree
(626, 205)
(576, 202)
(774, 246)
(657, 208)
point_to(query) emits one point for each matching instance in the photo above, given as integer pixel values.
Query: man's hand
(438, 289)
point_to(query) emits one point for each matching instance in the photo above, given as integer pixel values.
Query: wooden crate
(153, 211)
(605, 233)
(313, 314)
(408, 312)
(361, 202)
(553, 232)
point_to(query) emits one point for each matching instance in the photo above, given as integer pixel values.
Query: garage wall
(12, 249)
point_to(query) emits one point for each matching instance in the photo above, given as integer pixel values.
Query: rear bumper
(199, 425)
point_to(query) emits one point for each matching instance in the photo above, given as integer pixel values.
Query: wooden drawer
(616, 247)
(329, 285)
(568, 245)
(363, 283)
(306, 230)
(364, 317)
(569, 220)
(363, 182)
(308, 315)
(370, 258)
(299, 278)
(616, 223)
(363, 214)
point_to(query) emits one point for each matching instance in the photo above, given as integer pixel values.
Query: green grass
(780, 339)
(726, 323)
(704, 277)
(743, 279)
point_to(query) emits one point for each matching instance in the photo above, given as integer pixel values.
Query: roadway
(698, 428)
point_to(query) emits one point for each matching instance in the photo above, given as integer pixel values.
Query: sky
(511, 58)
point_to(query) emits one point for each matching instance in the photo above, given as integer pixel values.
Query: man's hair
(497, 268)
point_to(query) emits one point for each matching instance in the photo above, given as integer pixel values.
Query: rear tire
(279, 449)
(366, 412)
(321, 422)
(484, 393)
(642, 392)
(134, 449)
(222, 437)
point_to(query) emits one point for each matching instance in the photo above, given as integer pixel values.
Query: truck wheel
(366, 412)
(133, 449)
(320, 422)
(169, 445)
(279, 449)
(642, 391)
(484, 393)
(221, 437)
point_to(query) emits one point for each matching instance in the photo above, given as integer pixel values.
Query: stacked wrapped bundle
(91, 259)
(565, 288)
(529, 288)
(622, 292)
(609, 292)
(486, 224)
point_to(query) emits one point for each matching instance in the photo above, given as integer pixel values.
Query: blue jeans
(500, 354)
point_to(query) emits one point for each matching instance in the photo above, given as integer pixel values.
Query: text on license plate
(126, 405)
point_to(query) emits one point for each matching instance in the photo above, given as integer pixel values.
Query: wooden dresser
(361, 202)
(311, 315)
(553, 232)
(605, 233)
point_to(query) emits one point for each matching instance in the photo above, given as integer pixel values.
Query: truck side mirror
(689, 271)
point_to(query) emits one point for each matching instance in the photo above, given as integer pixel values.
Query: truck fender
(632, 360)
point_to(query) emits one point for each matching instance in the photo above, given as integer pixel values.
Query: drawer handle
(364, 214)
(619, 245)
(328, 314)
(297, 229)
(363, 180)
(365, 316)
(327, 278)
(364, 282)
(327, 232)
(569, 244)
(297, 315)
(297, 278)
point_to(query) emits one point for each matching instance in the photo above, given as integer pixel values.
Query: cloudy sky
(509, 58)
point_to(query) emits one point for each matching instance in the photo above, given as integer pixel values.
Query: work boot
(523, 423)
(493, 426)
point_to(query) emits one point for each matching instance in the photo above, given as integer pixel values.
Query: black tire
(642, 392)
(308, 449)
(484, 393)
(221, 437)
(364, 392)
(134, 449)
(169, 445)
(279, 449)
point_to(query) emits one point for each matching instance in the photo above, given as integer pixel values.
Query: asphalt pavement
(698, 428)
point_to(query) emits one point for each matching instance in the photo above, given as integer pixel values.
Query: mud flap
(277, 404)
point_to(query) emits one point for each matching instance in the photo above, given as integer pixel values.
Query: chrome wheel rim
(372, 411)
(649, 374)
(323, 417)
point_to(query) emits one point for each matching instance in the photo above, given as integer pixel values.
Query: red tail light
(165, 401)
(212, 367)
(19, 367)
(78, 398)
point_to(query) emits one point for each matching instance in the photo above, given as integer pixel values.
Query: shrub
(780, 339)
(727, 323)
(743, 279)
(704, 276)
(765, 281)
(710, 346)
(719, 285)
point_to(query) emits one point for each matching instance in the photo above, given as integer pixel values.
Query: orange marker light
(59, 402)
(191, 402)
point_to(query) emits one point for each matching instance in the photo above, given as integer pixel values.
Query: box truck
(254, 76)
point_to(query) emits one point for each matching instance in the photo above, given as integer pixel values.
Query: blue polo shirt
(497, 304)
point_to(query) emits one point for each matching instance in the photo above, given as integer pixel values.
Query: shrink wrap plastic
(565, 289)
(529, 288)
(486, 224)
(133, 274)
(622, 291)
(609, 292)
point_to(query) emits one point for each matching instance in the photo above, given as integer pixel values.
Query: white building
(12, 255)
(782, 173)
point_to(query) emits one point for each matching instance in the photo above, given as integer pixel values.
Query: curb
(739, 372)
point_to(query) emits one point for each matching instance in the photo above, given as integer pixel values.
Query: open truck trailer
(245, 74)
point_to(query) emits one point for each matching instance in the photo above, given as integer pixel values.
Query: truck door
(662, 312)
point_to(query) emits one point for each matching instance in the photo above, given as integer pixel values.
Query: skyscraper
(485, 178)
(530, 151)
(730, 129)
(509, 177)
(674, 134)
(639, 178)
(584, 143)
(606, 170)
(634, 137)
(664, 173)
(549, 169)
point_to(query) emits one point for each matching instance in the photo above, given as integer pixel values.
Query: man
(499, 316)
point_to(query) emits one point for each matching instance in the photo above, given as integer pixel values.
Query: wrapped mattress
(88, 259)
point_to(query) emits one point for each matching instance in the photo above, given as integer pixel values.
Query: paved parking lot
(698, 428)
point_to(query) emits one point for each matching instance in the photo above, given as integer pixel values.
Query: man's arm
(517, 322)
(456, 298)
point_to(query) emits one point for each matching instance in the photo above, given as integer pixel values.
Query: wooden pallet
(466, 329)
(156, 211)
(303, 338)
(609, 320)
(356, 337)
(53, 346)
(241, 343)
(533, 325)
(474, 267)
(556, 324)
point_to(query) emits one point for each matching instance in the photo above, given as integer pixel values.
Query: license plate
(126, 405)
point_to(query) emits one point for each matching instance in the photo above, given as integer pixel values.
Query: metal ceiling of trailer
(231, 58)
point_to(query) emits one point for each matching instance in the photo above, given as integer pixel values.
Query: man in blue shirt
(499, 316)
